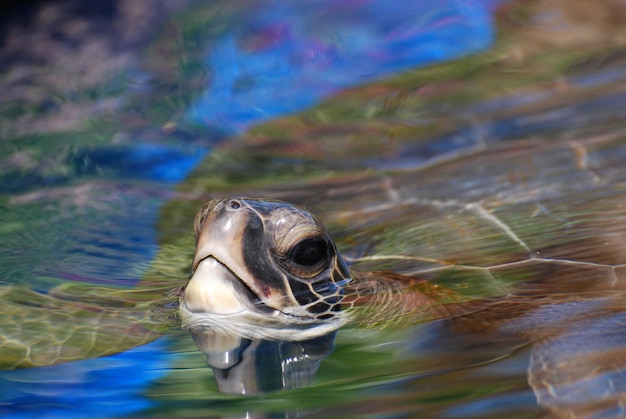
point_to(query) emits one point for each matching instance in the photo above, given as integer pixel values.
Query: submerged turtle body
(517, 240)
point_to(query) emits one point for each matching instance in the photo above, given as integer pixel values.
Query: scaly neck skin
(387, 298)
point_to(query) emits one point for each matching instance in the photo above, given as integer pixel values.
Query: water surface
(422, 132)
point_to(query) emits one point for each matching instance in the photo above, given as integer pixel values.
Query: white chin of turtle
(212, 289)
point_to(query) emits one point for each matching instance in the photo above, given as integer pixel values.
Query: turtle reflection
(256, 366)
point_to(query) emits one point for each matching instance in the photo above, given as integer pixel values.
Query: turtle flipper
(45, 329)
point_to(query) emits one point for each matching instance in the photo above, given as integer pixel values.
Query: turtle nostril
(234, 204)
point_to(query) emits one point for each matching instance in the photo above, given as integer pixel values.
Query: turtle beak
(213, 288)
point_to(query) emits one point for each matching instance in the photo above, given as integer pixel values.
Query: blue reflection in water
(280, 59)
(142, 160)
(286, 56)
(103, 387)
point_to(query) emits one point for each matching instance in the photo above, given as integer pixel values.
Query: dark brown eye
(309, 252)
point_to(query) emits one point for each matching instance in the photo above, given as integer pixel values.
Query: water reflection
(286, 57)
(114, 384)
(583, 372)
(257, 366)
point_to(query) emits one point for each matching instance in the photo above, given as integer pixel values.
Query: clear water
(83, 197)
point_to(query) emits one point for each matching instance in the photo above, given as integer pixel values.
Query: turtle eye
(309, 252)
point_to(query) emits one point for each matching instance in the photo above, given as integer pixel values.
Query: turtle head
(263, 257)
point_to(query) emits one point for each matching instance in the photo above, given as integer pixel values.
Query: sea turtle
(525, 240)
